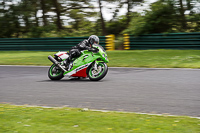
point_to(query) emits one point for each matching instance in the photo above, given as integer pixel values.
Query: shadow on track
(71, 80)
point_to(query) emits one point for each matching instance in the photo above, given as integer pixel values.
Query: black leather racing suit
(76, 50)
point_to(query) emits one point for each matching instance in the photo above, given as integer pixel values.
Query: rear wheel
(55, 73)
(98, 74)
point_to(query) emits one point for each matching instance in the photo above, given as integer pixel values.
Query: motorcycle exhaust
(56, 62)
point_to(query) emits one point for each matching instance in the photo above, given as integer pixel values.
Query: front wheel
(98, 74)
(55, 73)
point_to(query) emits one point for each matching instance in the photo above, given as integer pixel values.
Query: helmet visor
(95, 43)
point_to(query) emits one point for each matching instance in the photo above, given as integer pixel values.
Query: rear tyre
(100, 73)
(55, 73)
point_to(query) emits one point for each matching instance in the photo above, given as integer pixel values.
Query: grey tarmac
(146, 90)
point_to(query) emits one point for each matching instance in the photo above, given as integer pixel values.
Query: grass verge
(156, 58)
(132, 58)
(23, 119)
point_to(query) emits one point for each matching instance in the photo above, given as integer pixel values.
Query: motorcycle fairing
(78, 71)
(81, 64)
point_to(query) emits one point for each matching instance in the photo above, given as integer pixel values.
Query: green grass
(156, 58)
(132, 58)
(25, 58)
(23, 119)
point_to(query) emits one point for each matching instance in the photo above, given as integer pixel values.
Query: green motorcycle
(90, 64)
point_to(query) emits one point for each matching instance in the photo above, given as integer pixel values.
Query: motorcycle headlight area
(106, 58)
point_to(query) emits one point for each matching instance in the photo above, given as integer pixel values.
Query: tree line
(61, 18)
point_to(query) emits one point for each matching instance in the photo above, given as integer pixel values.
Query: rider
(84, 45)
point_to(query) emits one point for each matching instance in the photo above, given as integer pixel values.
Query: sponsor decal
(78, 69)
(81, 67)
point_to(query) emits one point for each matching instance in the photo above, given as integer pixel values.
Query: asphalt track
(171, 91)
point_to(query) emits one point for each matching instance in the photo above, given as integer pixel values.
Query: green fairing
(88, 57)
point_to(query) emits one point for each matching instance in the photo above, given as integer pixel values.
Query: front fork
(95, 64)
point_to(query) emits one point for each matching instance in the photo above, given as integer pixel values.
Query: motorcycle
(91, 63)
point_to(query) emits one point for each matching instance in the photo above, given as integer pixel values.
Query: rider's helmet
(93, 39)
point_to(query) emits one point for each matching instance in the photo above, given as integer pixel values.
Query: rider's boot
(66, 63)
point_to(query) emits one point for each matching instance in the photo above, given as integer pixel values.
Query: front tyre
(55, 73)
(100, 73)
